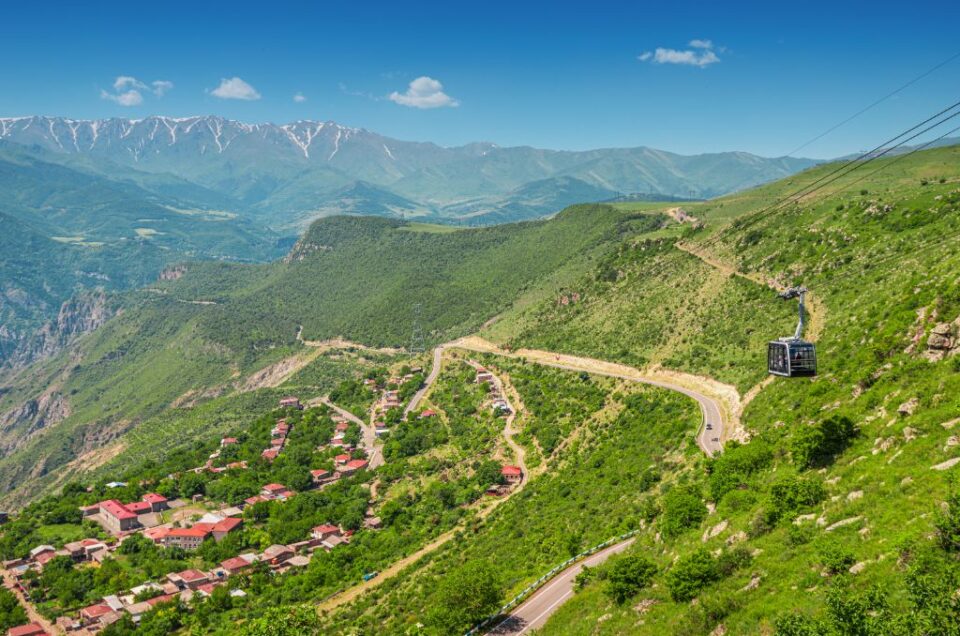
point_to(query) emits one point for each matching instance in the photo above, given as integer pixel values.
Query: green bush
(793, 494)
(627, 576)
(948, 525)
(835, 557)
(692, 573)
(683, 508)
(817, 445)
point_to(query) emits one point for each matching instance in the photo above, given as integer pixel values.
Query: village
(185, 524)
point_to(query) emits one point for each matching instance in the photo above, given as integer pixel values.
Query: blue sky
(683, 76)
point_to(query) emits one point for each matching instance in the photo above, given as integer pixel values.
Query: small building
(277, 554)
(372, 523)
(320, 533)
(353, 466)
(227, 441)
(270, 454)
(272, 490)
(116, 517)
(188, 579)
(290, 402)
(321, 476)
(93, 613)
(342, 459)
(428, 413)
(236, 565)
(30, 629)
(157, 502)
(251, 501)
(225, 526)
(342, 426)
(41, 550)
(157, 535)
(512, 474)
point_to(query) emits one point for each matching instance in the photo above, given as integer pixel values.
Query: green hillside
(358, 278)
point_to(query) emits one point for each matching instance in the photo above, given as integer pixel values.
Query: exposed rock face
(79, 315)
(943, 341)
(18, 424)
(909, 407)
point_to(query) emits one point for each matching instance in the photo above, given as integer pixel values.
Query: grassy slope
(864, 263)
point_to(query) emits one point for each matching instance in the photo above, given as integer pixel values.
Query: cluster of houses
(80, 551)
(389, 399)
(499, 403)
(211, 525)
(278, 439)
(191, 583)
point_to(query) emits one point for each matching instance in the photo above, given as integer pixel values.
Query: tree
(11, 614)
(466, 596)
(682, 508)
(628, 576)
(817, 445)
(691, 574)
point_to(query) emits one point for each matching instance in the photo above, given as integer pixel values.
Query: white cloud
(299, 98)
(424, 92)
(161, 87)
(235, 88)
(701, 54)
(128, 91)
(132, 97)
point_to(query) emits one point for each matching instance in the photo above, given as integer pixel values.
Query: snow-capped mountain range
(287, 174)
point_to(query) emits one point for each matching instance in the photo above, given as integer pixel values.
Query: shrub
(628, 576)
(794, 493)
(737, 462)
(799, 625)
(466, 596)
(682, 508)
(732, 560)
(691, 574)
(817, 445)
(835, 557)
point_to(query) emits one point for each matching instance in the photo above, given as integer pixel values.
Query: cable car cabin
(792, 358)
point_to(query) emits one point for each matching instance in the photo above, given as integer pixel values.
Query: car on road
(370, 575)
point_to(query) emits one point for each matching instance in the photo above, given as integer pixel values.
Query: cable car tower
(792, 356)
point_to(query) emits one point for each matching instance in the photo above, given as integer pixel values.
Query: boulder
(909, 407)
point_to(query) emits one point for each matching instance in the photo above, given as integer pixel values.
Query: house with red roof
(94, 613)
(30, 629)
(270, 454)
(342, 426)
(186, 538)
(116, 517)
(235, 565)
(157, 502)
(272, 490)
(428, 413)
(512, 474)
(342, 459)
(321, 476)
(250, 501)
(227, 441)
(320, 533)
(353, 466)
(224, 527)
(277, 554)
(188, 579)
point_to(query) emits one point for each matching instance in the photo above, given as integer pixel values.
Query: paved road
(431, 378)
(534, 612)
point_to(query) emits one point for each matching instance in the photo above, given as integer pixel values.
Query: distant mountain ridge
(288, 174)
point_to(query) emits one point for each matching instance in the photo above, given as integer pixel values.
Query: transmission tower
(416, 335)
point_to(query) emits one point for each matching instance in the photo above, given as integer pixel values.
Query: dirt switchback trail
(719, 403)
(398, 566)
(816, 312)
